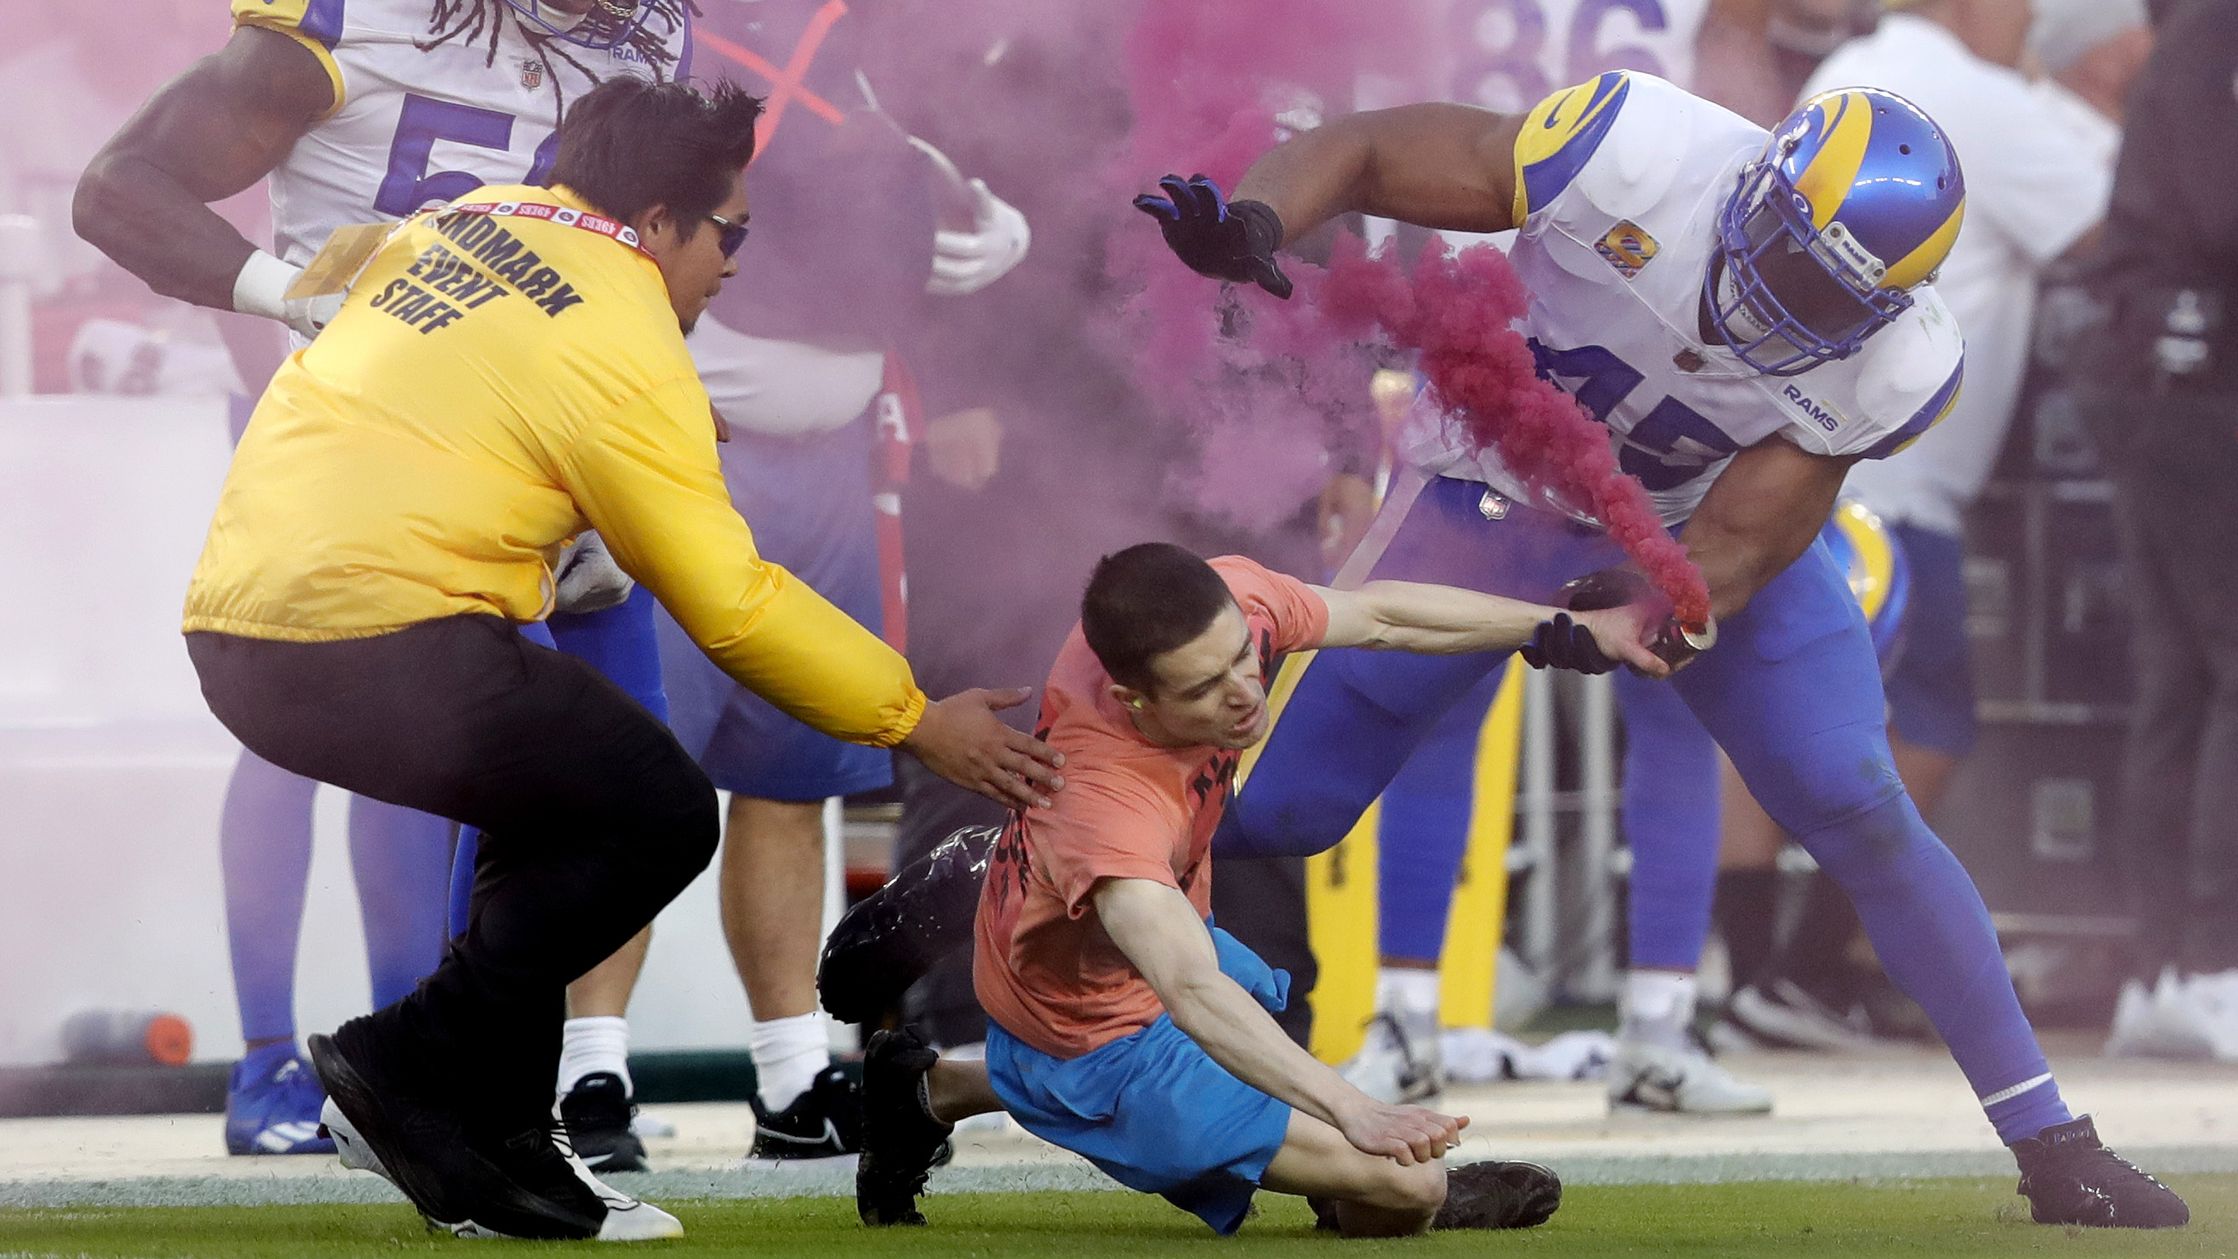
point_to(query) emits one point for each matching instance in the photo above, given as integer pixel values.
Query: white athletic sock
(1408, 993)
(1658, 1007)
(593, 1045)
(788, 1055)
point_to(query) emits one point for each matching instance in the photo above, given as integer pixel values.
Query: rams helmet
(1855, 200)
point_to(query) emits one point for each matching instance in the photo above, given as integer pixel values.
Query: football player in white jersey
(1506, 55)
(1749, 315)
(357, 111)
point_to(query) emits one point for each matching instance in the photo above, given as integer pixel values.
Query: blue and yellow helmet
(1879, 577)
(609, 24)
(1855, 200)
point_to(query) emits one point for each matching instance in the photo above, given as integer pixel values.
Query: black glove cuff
(1262, 227)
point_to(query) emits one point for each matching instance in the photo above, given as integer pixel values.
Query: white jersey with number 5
(1510, 53)
(416, 121)
(1619, 184)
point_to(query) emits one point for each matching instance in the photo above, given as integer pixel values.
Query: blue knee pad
(1671, 823)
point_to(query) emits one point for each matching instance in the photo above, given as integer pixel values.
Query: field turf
(1919, 1218)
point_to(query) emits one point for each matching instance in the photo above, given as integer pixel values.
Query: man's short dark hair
(1145, 601)
(629, 145)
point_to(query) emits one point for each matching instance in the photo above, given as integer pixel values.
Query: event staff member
(506, 373)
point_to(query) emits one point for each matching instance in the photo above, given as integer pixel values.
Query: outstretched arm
(1433, 165)
(211, 132)
(1160, 933)
(1446, 620)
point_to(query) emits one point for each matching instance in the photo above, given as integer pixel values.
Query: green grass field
(1923, 1218)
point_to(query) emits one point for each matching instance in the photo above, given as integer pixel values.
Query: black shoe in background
(824, 1122)
(2068, 1177)
(902, 1142)
(597, 1112)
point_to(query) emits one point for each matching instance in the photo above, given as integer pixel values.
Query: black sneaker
(901, 1142)
(2069, 1178)
(559, 1197)
(597, 1112)
(1496, 1194)
(417, 1142)
(824, 1122)
(893, 936)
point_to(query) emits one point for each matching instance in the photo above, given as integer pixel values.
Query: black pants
(2175, 464)
(593, 818)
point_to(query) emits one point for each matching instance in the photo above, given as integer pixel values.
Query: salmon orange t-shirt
(1043, 966)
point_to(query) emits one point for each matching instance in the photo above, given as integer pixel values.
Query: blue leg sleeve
(1425, 829)
(1671, 823)
(264, 848)
(621, 644)
(401, 860)
(1793, 693)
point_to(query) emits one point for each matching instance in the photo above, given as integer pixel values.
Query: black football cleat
(888, 940)
(902, 1143)
(2068, 1177)
(1497, 1194)
(597, 1112)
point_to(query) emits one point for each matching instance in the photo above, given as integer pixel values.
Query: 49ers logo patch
(1627, 248)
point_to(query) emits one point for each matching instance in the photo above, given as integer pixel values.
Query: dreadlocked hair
(466, 21)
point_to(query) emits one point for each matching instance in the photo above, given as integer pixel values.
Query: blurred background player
(2165, 371)
(2038, 169)
(807, 368)
(356, 113)
(1120, 1027)
(1813, 268)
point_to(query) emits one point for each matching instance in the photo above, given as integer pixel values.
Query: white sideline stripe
(2006, 1095)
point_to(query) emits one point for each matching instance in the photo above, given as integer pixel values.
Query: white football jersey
(418, 121)
(1621, 180)
(1509, 54)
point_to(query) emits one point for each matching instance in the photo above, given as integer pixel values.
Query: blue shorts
(1931, 687)
(809, 502)
(1153, 1110)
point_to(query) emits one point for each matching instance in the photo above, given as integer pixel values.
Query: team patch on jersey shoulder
(1627, 247)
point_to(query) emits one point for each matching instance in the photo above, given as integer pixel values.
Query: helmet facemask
(1784, 294)
(609, 23)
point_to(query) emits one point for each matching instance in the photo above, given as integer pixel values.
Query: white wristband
(262, 286)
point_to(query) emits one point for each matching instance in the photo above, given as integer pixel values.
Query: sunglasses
(734, 234)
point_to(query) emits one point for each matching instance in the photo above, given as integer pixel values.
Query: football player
(1749, 315)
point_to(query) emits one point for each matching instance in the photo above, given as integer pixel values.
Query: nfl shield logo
(532, 73)
(1626, 248)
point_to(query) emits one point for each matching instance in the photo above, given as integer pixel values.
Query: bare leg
(1750, 839)
(604, 990)
(959, 1090)
(773, 901)
(1374, 1197)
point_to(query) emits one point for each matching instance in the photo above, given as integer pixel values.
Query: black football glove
(1227, 240)
(1562, 643)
